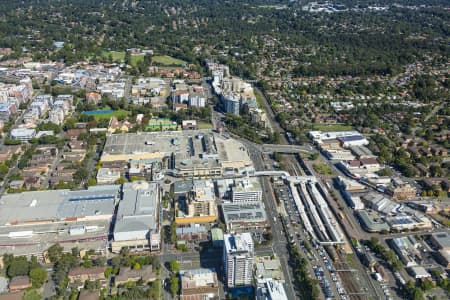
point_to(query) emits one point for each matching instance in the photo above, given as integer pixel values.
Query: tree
(174, 266)
(385, 172)
(19, 266)
(154, 291)
(80, 175)
(54, 252)
(121, 180)
(417, 294)
(38, 276)
(31, 295)
(314, 156)
(174, 285)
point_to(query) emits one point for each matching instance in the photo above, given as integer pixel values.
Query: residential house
(18, 295)
(145, 274)
(89, 295)
(189, 125)
(77, 146)
(18, 283)
(83, 274)
(93, 97)
(32, 182)
(16, 184)
(72, 134)
(114, 125)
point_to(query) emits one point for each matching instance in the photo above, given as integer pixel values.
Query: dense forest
(345, 43)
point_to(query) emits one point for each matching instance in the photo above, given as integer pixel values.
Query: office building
(244, 216)
(246, 190)
(238, 259)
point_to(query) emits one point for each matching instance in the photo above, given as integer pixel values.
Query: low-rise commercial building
(419, 273)
(400, 190)
(268, 268)
(107, 176)
(201, 284)
(271, 290)
(43, 218)
(192, 233)
(409, 222)
(371, 221)
(406, 249)
(441, 240)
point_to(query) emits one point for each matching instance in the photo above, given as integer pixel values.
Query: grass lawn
(322, 168)
(204, 125)
(117, 114)
(167, 60)
(117, 56)
(259, 100)
(332, 127)
(135, 59)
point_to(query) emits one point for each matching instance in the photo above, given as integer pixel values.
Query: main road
(279, 242)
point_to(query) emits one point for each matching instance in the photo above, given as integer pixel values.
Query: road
(279, 241)
(429, 116)
(270, 114)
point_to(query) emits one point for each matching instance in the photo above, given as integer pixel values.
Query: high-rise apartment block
(238, 256)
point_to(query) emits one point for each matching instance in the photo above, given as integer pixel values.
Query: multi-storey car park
(314, 211)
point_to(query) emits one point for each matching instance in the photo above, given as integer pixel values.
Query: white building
(106, 175)
(22, 134)
(272, 290)
(197, 99)
(238, 259)
(56, 116)
(246, 190)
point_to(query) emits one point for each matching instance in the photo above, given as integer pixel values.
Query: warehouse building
(409, 222)
(407, 250)
(137, 224)
(441, 240)
(371, 221)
